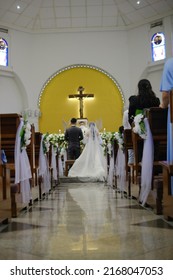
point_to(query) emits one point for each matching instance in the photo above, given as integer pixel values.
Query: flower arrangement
(107, 141)
(62, 143)
(46, 143)
(25, 134)
(57, 140)
(139, 126)
(53, 139)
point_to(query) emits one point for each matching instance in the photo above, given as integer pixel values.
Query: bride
(92, 162)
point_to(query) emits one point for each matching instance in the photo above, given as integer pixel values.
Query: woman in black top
(146, 98)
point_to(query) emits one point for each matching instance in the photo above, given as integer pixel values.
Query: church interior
(61, 59)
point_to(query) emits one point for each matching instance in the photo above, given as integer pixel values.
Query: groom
(73, 135)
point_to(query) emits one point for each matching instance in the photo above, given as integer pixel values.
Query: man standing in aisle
(73, 135)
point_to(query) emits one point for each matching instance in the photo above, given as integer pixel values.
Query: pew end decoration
(46, 143)
(22, 164)
(62, 143)
(139, 126)
(25, 134)
(108, 142)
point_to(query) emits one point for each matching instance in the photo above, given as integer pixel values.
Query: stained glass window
(158, 46)
(3, 52)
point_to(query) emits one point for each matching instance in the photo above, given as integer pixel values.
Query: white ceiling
(72, 15)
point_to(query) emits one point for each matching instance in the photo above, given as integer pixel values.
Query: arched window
(3, 52)
(158, 46)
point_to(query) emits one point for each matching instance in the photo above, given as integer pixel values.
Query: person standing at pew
(127, 125)
(146, 98)
(166, 82)
(166, 87)
(73, 135)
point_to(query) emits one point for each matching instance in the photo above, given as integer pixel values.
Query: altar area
(59, 145)
(80, 91)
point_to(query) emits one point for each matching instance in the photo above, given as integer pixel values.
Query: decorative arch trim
(80, 66)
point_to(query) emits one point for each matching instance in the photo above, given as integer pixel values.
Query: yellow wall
(56, 108)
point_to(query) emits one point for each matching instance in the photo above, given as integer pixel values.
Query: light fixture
(18, 7)
(138, 2)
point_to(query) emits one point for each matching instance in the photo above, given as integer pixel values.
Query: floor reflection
(93, 202)
(86, 221)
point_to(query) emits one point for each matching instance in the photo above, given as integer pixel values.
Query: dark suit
(73, 136)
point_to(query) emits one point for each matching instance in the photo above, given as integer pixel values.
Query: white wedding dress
(92, 163)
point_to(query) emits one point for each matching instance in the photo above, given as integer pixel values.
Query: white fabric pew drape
(44, 169)
(110, 177)
(147, 165)
(120, 168)
(22, 168)
(53, 163)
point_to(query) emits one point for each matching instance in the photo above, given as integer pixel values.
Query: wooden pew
(167, 197)
(5, 195)
(9, 126)
(68, 164)
(157, 119)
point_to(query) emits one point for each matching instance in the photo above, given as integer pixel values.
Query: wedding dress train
(92, 162)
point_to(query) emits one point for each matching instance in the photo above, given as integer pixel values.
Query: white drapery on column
(44, 168)
(147, 165)
(22, 168)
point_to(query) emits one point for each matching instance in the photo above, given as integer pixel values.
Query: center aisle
(86, 221)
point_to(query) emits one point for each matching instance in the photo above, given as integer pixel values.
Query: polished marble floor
(86, 221)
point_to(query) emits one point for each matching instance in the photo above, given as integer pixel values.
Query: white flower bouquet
(25, 134)
(53, 139)
(139, 126)
(107, 141)
(46, 143)
(62, 143)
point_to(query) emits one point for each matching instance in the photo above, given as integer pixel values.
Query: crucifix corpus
(80, 96)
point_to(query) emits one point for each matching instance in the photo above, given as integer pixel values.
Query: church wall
(101, 49)
(140, 61)
(13, 98)
(125, 55)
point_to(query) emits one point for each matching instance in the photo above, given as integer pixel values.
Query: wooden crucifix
(80, 96)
